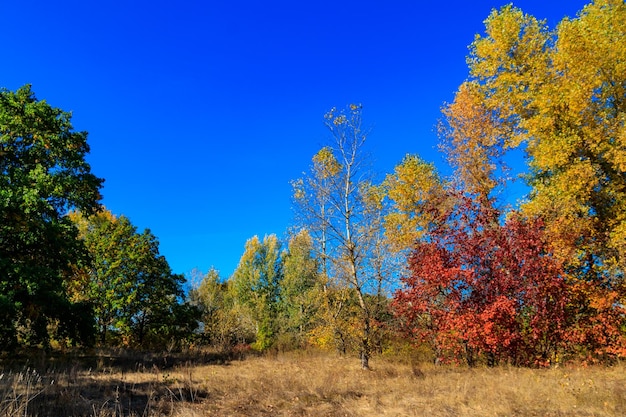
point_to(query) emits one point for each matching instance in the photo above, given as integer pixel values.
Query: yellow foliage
(473, 140)
(325, 165)
(414, 189)
(561, 95)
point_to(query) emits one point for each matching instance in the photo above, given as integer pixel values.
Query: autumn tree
(43, 175)
(473, 140)
(565, 103)
(135, 295)
(478, 289)
(335, 203)
(559, 97)
(417, 194)
(314, 207)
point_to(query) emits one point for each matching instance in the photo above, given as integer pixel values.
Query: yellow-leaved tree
(560, 97)
(416, 192)
(343, 210)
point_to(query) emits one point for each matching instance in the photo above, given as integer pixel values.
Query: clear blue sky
(199, 113)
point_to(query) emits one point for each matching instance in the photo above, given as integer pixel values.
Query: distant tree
(43, 175)
(312, 196)
(133, 291)
(300, 290)
(220, 323)
(337, 203)
(209, 296)
(255, 287)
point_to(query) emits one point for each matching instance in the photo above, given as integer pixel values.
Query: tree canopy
(135, 295)
(559, 96)
(43, 175)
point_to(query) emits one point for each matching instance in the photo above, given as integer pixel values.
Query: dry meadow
(300, 384)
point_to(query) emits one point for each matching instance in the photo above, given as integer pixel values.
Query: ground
(298, 384)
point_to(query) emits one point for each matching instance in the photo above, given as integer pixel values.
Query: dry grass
(309, 385)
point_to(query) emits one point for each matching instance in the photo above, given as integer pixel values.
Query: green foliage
(301, 289)
(133, 291)
(221, 325)
(271, 300)
(209, 297)
(255, 286)
(43, 174)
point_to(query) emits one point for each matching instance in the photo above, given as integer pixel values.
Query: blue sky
(199, 113)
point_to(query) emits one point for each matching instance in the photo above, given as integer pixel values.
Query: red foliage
(480, 289)
(597, 330)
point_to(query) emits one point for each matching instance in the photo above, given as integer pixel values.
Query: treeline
(71, 273)
(278, 299)
(447, 264)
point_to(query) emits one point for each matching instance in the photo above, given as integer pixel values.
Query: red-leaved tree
(482, 290)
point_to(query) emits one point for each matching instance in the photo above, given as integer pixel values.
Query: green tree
(301, 288)
(212, 298)
(255, 286)
(43, 175)
(134, 293)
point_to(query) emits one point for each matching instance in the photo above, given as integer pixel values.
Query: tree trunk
(366, 342)
(365, 360)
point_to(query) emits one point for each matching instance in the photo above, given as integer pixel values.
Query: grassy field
(300, 384)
